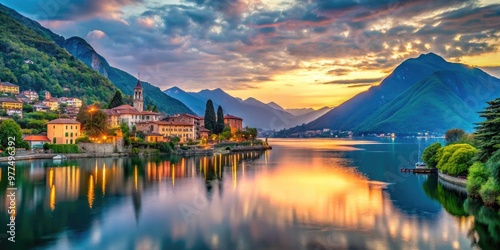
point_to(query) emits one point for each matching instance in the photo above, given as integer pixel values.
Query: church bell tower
(138, 96)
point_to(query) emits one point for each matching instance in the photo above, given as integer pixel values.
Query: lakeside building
(185, 131)
(36, 141)
(131, 115)
(197, 121)
(63, 131)
(7, 87)
(204, 133)
(234, 122)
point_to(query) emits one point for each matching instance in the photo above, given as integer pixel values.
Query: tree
(155, 109)
(488, 131)
(117, 100)
(96, 124)
(430, 156)
(11, 131)
(82, 113)
(454, 135)
(220, 120)
(478, 175)
(210, 122)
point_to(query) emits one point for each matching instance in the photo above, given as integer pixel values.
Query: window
(66, 126)
(54, 126)
(71, 134)
(54, 140)
(66, 134)
(71, 126)
(71, 141)
(66, 141)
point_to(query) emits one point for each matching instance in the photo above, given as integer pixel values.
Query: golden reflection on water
(316, 195)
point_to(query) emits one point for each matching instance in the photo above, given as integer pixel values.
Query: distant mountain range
(254, 112)
(84, 52)
(422, 94)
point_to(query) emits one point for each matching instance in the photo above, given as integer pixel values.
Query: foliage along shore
(475, 157)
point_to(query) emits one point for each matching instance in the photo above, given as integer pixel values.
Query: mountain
(301, 111)
(407, 100)
(254, 112)
(195, 103)
(443, 100)
(30, 59)
(84, 52)
(275, 106)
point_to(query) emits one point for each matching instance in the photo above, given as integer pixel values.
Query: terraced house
(7, 87)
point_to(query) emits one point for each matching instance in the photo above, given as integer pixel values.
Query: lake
(302, 194)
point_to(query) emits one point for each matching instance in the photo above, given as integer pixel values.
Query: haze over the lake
(310, 53)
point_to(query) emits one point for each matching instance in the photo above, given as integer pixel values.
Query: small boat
(59, 157)
(420, 165)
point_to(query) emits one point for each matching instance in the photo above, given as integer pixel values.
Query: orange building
(154, 137)
(7, 87)
(234, 122)
(185, 131)
(197, 121)
(9, 103)
(63, 131)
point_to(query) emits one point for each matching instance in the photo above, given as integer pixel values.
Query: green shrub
(184, 147)
(430, 155)
(64, 148)
(82, 139)
(490, 191)
(46, 146)
(164, 147)
(446, 155)
(459, 162)
(135, 151)
(478, 175)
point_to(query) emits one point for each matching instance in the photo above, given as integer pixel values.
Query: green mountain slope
(443, 100)
(84, 52)
(124, 81)
(52, 67)
(424, 93)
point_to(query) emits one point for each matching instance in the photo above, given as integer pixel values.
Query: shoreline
(69, 156)
(201, 152)
(453, 183)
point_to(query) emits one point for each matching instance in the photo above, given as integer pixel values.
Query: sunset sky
(298, 53)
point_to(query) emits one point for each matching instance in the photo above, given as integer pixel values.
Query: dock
(419, 170)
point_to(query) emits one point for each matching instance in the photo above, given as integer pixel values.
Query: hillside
(51, 68)
(384, 108)
(121, 79)
(84, 52)
(443, 100)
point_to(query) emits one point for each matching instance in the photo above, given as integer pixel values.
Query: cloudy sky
(298, 53)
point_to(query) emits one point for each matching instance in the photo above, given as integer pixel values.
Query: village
(67, 125)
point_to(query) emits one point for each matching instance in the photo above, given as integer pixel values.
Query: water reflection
(287, 198)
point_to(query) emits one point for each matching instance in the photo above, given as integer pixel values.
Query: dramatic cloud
(96, 34)
(264, 45)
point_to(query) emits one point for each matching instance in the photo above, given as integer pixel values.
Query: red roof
(63, 121)
(232, 117)
(36, 138)
(172, 123)
(204, 130)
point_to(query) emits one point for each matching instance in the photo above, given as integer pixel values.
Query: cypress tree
(117, 100)
(488, 131)
(210, 122)
(220, 120)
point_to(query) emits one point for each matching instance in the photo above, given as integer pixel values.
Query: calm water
(303, 194)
